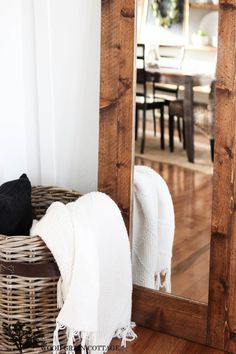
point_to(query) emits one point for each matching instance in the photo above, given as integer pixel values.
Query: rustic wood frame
(213, 324)
(117, 101)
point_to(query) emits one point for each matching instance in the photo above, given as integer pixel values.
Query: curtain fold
(49, 107)
(142, 11)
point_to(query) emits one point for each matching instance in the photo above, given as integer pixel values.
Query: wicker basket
(28, 277)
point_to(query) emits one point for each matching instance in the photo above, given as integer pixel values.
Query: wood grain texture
(222, 292)
(116, 121)
(173, 315)
(203, 6)
(151, 342)
(105, 104)
(169, 314)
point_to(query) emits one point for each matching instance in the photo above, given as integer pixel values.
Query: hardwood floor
(151, 342)
(192, 197)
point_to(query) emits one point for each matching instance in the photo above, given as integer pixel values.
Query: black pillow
(15, 207)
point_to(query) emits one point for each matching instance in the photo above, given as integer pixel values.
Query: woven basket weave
(24, 296)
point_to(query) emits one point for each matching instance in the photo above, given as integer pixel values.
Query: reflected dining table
(188, 79)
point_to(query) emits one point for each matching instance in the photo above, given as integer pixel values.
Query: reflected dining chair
(169, 56)
(204, 119)
(142, 65)
(146, 103)
(140, 56)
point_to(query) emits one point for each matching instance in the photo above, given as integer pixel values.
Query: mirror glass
(174, 145)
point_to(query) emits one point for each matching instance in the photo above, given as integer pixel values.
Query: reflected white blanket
(153, 230)
(89, 242)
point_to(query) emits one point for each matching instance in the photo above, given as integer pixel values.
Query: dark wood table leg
(188, 118)
(144, 132)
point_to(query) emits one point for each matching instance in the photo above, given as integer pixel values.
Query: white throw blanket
(89, 242)
(153, 230)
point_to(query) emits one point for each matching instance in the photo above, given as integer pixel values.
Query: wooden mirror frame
(214, 323)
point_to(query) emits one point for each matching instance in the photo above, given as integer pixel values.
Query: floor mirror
(201, 305)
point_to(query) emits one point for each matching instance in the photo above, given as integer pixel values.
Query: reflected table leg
(188, 118)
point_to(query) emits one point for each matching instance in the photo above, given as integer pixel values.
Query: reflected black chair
(142, 65)
(169, 56)
(204, 119)
(140, 56)
(145, 103)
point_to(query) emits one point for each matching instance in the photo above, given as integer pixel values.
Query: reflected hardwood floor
(151, 342)
(192, 197)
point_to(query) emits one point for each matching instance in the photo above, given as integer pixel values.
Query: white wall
(49, 106)
(204, 61)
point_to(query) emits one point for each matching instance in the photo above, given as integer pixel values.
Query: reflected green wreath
(167, 12)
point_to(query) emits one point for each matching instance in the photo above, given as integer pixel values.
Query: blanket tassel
(162, 280)
(84, 337)
(56, 342)
(126, 334)
(70, 343)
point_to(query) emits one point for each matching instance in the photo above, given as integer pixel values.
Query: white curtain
(49, 91)
(142, 11)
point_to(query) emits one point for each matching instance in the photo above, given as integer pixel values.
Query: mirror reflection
(174, 152)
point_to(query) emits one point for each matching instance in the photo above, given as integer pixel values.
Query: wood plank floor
(192, 197)
(151, 342)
